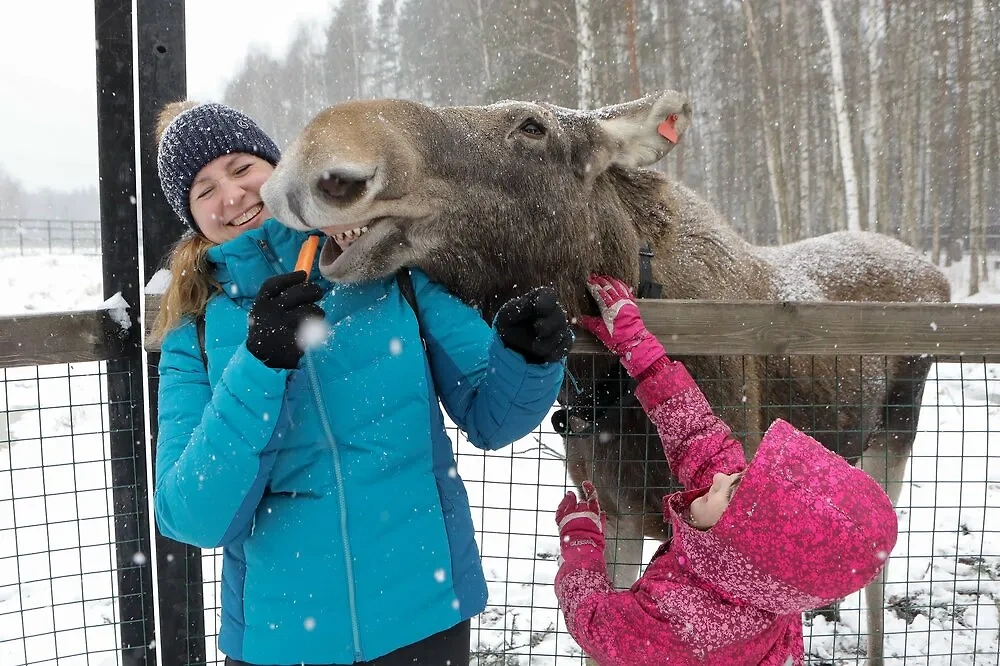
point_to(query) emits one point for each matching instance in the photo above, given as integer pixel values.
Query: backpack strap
(648, 287)
(409, 293)
(199, 327)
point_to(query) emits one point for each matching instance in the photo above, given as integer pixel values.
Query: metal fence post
(162, 78)
(120, 246)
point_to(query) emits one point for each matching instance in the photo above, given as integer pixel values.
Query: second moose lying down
(494, 200)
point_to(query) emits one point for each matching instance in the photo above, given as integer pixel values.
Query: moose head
(538, 193)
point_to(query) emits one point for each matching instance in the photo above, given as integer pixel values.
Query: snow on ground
(50, 283)
(57, 582)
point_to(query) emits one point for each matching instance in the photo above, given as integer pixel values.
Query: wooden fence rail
(64, 337)
(949, 331)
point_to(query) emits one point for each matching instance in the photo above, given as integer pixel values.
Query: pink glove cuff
(578, 546)
(639, 355)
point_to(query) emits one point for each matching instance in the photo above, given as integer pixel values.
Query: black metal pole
(163, 78)
(120, 245)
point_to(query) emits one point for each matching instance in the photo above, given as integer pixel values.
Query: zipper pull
(271, 257)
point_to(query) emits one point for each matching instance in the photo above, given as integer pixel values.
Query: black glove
(535, 326)
(283, 303)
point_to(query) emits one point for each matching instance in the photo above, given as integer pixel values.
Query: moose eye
(532, 128)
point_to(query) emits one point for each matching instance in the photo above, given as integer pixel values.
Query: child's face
(707, 509)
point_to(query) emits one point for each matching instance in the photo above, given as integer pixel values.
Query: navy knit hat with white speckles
(196, 137)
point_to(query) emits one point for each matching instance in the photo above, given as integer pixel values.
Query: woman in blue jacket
(326, 475)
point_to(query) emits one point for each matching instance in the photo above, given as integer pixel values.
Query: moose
(494, 200)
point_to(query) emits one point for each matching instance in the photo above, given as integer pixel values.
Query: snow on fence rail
(61, 512)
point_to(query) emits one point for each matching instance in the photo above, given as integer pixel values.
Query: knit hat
(196, 136)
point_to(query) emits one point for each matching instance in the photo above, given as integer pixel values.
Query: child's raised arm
(697, 443)
(613, 627)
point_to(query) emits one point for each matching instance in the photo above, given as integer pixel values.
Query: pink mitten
(581, 524)
(620, 326)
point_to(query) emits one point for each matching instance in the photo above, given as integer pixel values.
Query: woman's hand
(282, 305)
(535, 326)
(620, 326)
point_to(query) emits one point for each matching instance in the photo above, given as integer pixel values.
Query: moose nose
(343, 189)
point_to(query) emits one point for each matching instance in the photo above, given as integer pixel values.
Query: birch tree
(907, 112)
(386, 75)
(584, 55)
(480, 10)
(802, 120)
(837, 92)
(886, 105)
(977, 232)
(874, 127)
(772, 149)
(633, 56)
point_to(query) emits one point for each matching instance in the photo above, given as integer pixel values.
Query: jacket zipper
(271, 257)
(275, 263)
(338, 474)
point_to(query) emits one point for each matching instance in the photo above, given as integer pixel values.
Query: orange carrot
(307, 254)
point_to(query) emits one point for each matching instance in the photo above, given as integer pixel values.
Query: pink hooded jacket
(803, 529)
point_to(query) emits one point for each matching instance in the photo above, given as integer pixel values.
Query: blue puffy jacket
(346, 529)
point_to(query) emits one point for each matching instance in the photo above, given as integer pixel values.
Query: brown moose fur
(481, 203)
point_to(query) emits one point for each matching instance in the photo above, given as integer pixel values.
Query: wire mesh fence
(19, 237)
(942, 585)
(61, 559)
(63, 552)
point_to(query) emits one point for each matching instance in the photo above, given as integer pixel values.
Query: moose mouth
(361, 252)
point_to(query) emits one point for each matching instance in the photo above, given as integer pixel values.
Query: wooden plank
(760, 328)
(150, 311)
(948, 331)
(65, 337)
(809, 328)
(587, 344)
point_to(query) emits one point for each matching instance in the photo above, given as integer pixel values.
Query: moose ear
(641, 132)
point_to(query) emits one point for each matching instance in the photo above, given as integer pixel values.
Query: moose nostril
(342, 189)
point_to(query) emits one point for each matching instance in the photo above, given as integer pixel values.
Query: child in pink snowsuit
(753, 545)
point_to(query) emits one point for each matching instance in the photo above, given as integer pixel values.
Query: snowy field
(57, 580)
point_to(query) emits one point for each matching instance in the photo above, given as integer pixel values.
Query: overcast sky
(48, 114)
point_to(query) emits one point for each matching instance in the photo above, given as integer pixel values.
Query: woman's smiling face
(225, 196)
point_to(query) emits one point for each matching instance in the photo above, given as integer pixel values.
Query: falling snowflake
(312, 333)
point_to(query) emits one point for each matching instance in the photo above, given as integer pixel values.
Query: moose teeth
(351, 233)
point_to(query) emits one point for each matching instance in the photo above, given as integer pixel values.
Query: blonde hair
(192, 284)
